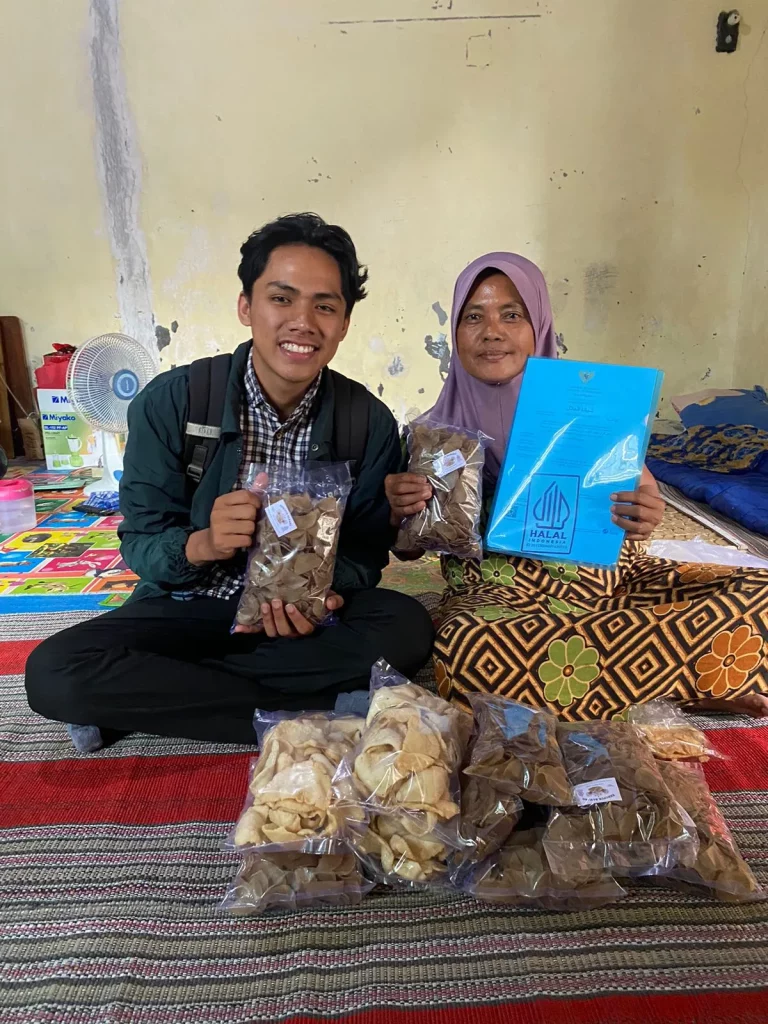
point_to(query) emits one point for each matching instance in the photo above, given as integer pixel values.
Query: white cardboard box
(69, 441)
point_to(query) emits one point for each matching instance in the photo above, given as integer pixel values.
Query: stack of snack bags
(290, 829)
(511, 806)
(719, 868)
(516, 751)
(513, 757)
(399, 786)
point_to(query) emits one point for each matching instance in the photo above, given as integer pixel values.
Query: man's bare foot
(753, 704)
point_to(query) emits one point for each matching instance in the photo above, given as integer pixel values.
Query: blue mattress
(742, 497)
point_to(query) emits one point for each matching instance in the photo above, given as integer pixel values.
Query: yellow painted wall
(604, 139)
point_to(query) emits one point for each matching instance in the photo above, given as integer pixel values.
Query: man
(171, 667)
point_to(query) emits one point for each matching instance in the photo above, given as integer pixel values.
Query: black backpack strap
(350, 420)
(207, 393)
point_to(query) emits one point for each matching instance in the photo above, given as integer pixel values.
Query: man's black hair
(303, 229)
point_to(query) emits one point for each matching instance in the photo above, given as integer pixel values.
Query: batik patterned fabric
(589, 642)
(720, 449)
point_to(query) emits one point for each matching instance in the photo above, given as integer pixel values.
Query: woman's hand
(407, 494)
(638, 512)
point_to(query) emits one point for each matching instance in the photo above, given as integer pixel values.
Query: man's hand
(638, 512)
(286, 620)
(407, 494)
(233, 520)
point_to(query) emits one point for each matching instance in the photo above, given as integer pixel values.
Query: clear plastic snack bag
(290, 805)
(293, 555)
(669, 732)
(719, 867)
(452, 460)
(405, 849)
(516, 749)
(519, 874)
(295, 881)
(405, 764)
(624, 817)
(488, 818)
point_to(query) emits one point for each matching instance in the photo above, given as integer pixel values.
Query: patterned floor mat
(111, 869)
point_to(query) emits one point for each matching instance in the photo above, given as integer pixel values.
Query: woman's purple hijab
(471, 403)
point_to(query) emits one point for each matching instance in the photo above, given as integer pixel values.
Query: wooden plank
(16, 366)
(6, 431)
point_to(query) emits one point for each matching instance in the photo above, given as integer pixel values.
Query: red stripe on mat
(124, 790)
(14, 654)
(693, 1008)
(746, 767)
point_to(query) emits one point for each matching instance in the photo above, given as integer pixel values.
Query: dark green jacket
(155, 495)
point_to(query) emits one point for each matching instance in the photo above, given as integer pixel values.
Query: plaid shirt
(265, 440)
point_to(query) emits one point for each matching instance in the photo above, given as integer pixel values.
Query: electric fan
(103, 377)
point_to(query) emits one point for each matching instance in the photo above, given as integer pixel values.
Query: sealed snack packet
(295, 881)
(390, 689)
(719, 867)
(488, 818)
(517, 750)
(624, 817)
(519, 875)
(452, 460)
(297, 532)
(290, 804)
(400, 850)
(488, 815)
(669, 733)
(405, 766)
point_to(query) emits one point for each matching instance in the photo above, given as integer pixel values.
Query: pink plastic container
(17, 506)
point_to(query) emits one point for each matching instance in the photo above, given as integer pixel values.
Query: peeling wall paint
(397, 367)
(163, 336)
(652, 239)
(439, 349)
(600, 281)
(442, 316)
(119, 166)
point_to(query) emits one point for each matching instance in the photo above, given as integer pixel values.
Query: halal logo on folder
(552, 511)
(550, 518)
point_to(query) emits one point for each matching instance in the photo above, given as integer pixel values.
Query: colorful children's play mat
(68, 554)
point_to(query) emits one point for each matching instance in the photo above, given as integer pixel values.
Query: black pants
(172, 668)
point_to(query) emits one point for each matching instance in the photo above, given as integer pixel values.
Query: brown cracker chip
(488, 817)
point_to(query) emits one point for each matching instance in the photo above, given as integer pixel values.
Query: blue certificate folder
(580, 434)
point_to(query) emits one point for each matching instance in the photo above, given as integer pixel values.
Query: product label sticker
(280, 518)
(599, 791)
(445, 464)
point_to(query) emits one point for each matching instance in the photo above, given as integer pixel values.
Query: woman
(586, 642)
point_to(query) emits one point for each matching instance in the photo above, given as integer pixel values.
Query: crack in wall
(119, 169)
